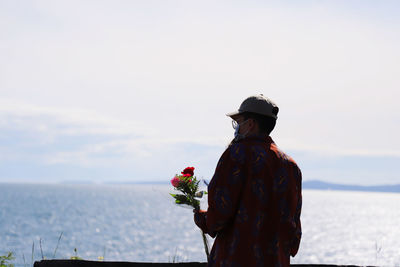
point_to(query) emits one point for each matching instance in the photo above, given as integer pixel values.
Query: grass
(4, 260)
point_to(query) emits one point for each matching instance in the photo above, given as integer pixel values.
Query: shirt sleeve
(200, 218)
(225, 188)
(298, 199)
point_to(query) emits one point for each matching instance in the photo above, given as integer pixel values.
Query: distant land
(315, 184)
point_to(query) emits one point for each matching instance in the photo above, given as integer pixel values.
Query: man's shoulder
(282, 155)
(239, 149)
(288, 163)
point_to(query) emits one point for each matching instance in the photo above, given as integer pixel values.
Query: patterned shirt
(254, 205)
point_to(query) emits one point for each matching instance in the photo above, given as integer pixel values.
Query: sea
(141, 223)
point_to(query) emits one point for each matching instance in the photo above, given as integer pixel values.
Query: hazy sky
(138, 90)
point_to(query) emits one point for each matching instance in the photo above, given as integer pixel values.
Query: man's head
(256, 115)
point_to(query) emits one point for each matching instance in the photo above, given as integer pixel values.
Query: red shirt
(254, 205)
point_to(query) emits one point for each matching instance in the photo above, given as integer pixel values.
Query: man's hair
(265, 124)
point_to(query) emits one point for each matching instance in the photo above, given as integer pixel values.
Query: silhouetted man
(254, 197)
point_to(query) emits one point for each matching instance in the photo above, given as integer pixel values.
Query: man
(254, 197)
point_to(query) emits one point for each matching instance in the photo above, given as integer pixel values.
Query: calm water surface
(141, 223)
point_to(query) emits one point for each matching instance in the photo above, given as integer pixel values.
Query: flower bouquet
(188, 185)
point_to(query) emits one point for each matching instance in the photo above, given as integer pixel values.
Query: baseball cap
(258, 104)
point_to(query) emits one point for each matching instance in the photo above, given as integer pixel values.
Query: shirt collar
(258, 137)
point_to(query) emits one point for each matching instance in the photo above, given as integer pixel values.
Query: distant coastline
(316, 184)
(311, 184)
(320, 185)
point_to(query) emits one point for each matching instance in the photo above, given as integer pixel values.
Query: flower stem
(205, 242)
(196, 206)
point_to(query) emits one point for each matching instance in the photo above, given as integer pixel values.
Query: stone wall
(83, 263)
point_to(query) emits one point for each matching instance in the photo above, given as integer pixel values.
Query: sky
(128, 91)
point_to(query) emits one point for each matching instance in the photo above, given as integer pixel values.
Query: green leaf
(4, 260)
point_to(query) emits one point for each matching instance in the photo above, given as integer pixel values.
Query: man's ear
(252, 124)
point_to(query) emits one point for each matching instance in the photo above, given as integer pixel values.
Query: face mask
(237, 135)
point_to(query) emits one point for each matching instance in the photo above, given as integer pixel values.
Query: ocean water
(141, 223)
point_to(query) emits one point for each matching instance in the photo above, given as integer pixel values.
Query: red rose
(175, 181)
(188, 171)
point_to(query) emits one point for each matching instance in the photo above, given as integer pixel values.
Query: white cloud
(81, 137)
(58, 142)
(62, 121)
(132, 78)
